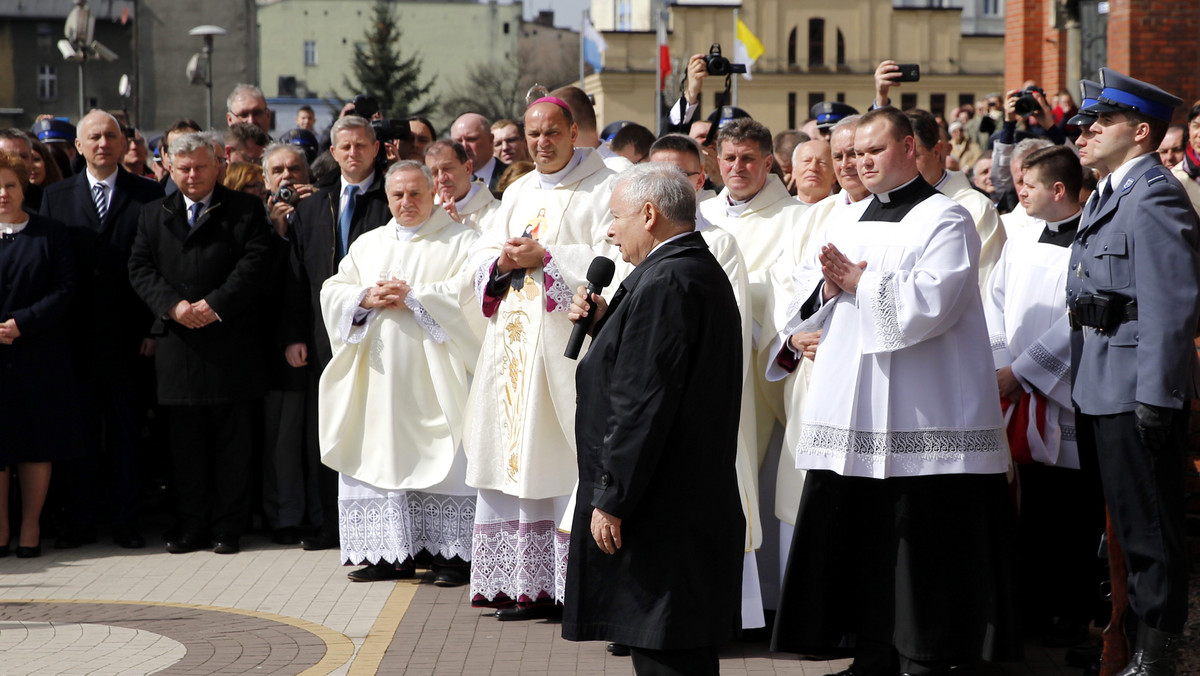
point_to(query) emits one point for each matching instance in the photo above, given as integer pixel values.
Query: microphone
(599, 275)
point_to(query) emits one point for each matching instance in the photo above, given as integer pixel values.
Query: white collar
(548, 181)
(1116, 178)
(485, 172)
(1058, 224)
(205, 202)
(111, 181)
(362, 186)
(13, 228)
(669, 239)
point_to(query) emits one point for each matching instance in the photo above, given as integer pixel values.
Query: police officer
(1132, 292)
(829, 113)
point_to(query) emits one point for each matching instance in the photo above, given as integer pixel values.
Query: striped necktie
(100, 195)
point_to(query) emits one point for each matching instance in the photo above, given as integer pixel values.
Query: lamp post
(79, 46)
(199, 69)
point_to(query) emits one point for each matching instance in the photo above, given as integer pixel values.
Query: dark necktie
(100, 195)
(1104, 195)
(194, 213)
(344, 219)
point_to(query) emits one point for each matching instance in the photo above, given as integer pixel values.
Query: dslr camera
(1027, 105)
(364, 106)
(719, 65)
(386, 131)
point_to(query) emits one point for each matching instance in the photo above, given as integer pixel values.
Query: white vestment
(903, 384)
(987, 220)
(1026, 309)
(1017, 221)
(476, 207)
(393, 397)
(760, 226)
(520, 438)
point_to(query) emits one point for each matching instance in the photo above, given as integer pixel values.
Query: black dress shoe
(381, 572)
(226, 546)
(288, 535)
(185, 545)
(127, 537)
(3, 551)
(447, 576)
(29, 552)
(319, 541)
(617, 649)
(541, 611)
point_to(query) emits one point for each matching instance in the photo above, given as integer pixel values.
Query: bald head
(101, 141)
(812, 169)
(474, 132)
(550, 135)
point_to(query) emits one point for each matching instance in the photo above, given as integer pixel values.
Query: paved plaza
(276, 610)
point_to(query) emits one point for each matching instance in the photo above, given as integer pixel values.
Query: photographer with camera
(1026, 105)
(682, 113)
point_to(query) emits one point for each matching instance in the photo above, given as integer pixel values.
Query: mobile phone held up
(909, 72)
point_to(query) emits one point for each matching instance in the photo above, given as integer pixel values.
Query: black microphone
(599, 275)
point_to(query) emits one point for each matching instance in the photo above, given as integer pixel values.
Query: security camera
(68, 50)
(103, 52)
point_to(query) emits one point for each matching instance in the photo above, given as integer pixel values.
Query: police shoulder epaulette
(1156, 174)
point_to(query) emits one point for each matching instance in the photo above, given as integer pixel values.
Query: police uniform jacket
(1140, 243)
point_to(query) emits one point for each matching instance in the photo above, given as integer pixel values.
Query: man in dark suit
(474, 132)
(657, 514)
(1133, 293)
(100, 207)
(324, 227)
(202, 263)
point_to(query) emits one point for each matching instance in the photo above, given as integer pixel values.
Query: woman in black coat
(37, 412)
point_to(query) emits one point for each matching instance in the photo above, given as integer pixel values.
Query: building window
(792, 48)
(506, 28)
(991, 7)
(841, 49)
(310, 52)
(937, 104)
(841, 97)
(47, 83)
(908, 101)
(624, 15)
(816, 42)
(813, 99)
(965, 100)
(791, 110)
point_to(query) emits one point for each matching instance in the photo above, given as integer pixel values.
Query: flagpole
(734, 76)
(582, 46)
(659, 35)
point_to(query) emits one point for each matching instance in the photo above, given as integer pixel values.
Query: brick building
(1056, 42)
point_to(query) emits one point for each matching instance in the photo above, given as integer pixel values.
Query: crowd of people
(872, 378)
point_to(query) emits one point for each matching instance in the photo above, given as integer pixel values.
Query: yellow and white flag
(746, 47)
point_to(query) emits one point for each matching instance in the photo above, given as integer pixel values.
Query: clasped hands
(193, 315)
(520, 252)
(841, 274)
(386, 294)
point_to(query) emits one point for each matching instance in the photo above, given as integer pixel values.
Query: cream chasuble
(987, 220)
(760, 230)
(725, 249)
(478, 205)
(812, 232)
(393, 398)
(520, 437)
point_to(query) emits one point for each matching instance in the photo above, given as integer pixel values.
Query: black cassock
(658, 401)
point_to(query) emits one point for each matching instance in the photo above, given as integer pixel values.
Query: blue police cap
(1089, 91)
(829, 113)
(54, 130)
(610, 130)
(1122, 93)
(303, 138)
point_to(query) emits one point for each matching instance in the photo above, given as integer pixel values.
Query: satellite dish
(125, 87)
(197, 69)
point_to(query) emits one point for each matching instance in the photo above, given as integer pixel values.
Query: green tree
(380, 71)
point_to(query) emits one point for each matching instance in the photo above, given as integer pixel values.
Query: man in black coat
(100, 208)
(202, 262)
(655, 559)
(324, 227)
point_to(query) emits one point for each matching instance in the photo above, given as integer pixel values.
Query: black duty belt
(1104, 312)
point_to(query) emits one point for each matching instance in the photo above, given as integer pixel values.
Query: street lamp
(199, 68)
(80, 46)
